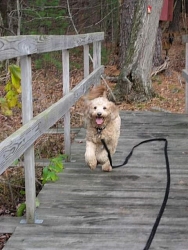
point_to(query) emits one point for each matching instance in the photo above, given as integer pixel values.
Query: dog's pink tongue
(99, 121)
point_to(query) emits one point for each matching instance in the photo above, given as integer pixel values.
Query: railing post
(86, 60)
(96, 55)
(29, 158)
(66, 88)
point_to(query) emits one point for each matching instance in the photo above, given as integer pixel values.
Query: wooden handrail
(22, 141)
(15, 46)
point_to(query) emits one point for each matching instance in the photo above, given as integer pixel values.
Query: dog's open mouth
(99, 120)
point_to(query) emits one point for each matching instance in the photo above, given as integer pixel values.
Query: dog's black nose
(99, 114)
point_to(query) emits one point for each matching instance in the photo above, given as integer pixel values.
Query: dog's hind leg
(90, 157)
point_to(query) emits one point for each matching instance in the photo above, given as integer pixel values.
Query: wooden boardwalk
(93, 210)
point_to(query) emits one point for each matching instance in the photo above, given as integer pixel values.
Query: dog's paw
(92, 164)
(106, 168)
(92, 167)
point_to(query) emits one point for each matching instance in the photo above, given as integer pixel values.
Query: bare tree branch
(70, 15)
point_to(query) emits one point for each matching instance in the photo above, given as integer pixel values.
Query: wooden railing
(22, 141)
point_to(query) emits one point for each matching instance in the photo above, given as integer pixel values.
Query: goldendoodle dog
(102, 122)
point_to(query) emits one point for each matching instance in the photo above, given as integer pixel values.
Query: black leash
(155, 226)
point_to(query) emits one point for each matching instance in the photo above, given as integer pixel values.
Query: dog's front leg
(102, 157)
(106, 167)
(90, 157)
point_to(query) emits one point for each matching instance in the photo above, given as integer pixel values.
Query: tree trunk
(174, 25)
(138, 30)
(3, 11)
(157, 57)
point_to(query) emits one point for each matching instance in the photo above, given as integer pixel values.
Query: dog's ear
(97, 91)
(114, 111)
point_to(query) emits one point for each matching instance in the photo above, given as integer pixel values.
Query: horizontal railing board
(15, 46)
(61, 131)
(16, 144)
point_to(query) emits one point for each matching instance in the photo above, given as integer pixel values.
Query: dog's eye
(95, 107)
(104, 107)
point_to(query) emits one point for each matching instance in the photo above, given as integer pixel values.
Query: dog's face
(100, 111)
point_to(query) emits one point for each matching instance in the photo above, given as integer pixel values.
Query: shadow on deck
(94, 210)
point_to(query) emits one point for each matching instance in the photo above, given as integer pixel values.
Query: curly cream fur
(99, 108)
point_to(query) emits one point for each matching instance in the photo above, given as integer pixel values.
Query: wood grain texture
(66, 89)
(86, 60)
(15, 46)
(29, 155)
(96, 54)
(8, 224)
(19, 142)
(94, 210)
(15, 145)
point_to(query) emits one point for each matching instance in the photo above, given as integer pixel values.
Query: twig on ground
(109, 89)
(112, 78)
(160, 68)
(179, 79)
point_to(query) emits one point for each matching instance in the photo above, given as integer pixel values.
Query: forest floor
(168, 85)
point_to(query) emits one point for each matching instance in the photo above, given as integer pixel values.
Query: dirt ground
(169, 87)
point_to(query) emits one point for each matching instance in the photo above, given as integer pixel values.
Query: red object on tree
(149, 9)
(167, 10)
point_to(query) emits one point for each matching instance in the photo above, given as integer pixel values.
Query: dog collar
(99, 130)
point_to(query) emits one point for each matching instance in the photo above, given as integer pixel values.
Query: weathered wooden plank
(15, 46)
(8, 224)
(93, 240)
(93, 210)
(149, 115)
(49, 211)
(96, 54)
(16, 144)
(102, 225)
(59, 130)
(86, 60)
(66, 89)
(112, 184)
(96, 241)
(29, 156)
